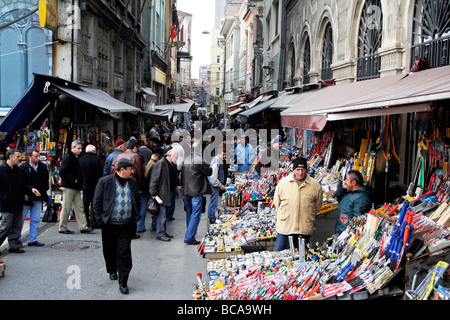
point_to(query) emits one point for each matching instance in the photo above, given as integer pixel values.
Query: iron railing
(436, 51)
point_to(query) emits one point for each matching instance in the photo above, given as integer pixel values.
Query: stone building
(309, 41)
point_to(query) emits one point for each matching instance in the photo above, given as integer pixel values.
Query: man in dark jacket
(117, 207)
(91, 169)
(195, 184)
(72, 184)
(13, 186)
(163, 182)
(354, 199)
(37, 176)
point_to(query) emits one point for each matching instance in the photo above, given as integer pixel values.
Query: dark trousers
(282, 241)
(87, 206)
(117, 248)
(10, 228)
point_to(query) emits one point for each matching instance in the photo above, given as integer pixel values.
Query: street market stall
(52, 113)
(401, 247)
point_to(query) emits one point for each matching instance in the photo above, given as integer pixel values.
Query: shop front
(395, 131)
(53, 112)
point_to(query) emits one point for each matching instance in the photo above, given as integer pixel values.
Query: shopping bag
(50, 213)
(152, 206)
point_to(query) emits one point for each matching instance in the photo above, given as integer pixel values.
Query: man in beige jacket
(298, 198)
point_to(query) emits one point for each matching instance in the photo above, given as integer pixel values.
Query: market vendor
(354, 199)
(298, 198)
(271, 158)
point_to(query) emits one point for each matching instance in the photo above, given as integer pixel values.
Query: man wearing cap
(120, 146)
(298, 198)
(117, 207)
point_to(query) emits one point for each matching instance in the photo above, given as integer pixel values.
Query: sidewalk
(161, 270)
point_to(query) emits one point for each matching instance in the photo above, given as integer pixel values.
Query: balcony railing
(436, 51)
(368, 67)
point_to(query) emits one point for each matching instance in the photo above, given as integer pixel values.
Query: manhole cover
(76, 245)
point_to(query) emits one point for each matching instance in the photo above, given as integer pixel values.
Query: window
(369, 41)
(431, 32)
(23, 51)
(217, 91)
(327, 53)
(220, 42)
(218, 59)
(306, 62)
(292, 53)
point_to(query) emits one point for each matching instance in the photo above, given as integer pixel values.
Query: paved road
(161, 270)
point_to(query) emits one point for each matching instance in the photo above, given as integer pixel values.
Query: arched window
(292, 53)
(431, 32)
(306, 62)
(369, 41)
(327, 54)
(25, 48)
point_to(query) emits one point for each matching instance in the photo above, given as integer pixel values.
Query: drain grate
(76, 245)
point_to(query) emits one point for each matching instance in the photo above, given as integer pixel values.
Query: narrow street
(161, 270)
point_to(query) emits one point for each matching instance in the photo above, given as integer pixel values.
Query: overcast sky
(202, 19)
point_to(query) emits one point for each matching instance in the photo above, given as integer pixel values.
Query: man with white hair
(163, 182)
(91, 169)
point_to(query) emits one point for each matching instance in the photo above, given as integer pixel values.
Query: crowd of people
(114, 194)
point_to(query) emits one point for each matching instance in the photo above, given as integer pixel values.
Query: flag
(174, 30)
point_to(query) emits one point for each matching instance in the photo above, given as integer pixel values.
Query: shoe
(192, 242)
(113, 276)
(19, 244)
(35, 244)
(136, 236)
(164, 238)
(16, 250)
(123, 288)
(212, 220)
(67, 231)
(171, 218)
(87, 230)
(140, 231)
(168, 236)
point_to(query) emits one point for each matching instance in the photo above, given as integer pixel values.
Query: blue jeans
(213, 201)
(244, 167)
(193, 211)
(282, 241)
(144, 200)
(161, 221)
(35, 218)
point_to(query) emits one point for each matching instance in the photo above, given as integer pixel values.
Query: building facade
(217, 71)
(25, 48)
(346, 41)
(183, 62)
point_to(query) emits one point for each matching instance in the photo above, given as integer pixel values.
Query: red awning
(379, 96)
